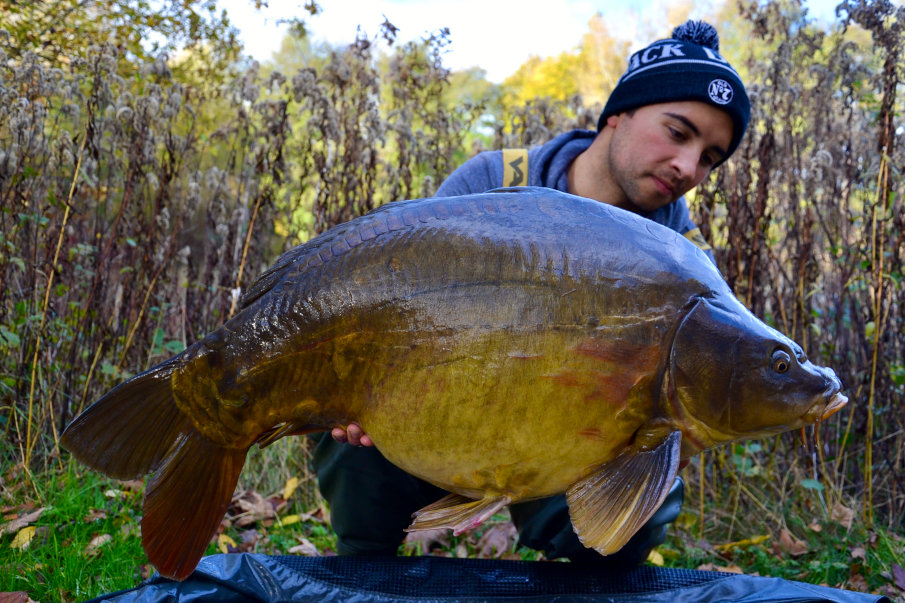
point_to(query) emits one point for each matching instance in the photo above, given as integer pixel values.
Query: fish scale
(503, 346)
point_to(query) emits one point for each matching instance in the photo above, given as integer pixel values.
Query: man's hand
(352, 434)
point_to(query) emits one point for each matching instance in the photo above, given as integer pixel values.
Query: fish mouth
(837, 401)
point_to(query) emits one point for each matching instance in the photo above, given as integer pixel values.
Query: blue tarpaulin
(253, 577)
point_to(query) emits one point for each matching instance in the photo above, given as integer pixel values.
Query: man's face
(657, 153)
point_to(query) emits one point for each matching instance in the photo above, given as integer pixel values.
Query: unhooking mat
(252, 577)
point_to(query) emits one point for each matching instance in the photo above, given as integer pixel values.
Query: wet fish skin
(503, 346)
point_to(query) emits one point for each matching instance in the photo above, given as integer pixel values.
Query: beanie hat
(684, 67)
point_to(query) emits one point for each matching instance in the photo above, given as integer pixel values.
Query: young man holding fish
(679, 111)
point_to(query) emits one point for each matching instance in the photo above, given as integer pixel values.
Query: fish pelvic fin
(185, 501)
(615, 501)
(457, 513)
(129, 431)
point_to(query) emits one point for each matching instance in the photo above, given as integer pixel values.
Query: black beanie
(684, 67)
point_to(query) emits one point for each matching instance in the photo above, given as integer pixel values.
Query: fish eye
(780, 361)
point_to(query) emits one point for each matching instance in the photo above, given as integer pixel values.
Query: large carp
(503, 346)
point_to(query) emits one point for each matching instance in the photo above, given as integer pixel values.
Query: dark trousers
(372, 501)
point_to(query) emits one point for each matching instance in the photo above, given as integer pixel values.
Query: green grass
(81, 506)
(58, 564)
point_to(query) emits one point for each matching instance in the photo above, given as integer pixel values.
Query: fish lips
(834, 405)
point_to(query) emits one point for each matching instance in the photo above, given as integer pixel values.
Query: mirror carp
(504, 346)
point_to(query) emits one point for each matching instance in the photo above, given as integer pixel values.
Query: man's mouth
(664, 186)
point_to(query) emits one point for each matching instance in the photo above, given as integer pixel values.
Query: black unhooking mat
(250, 577)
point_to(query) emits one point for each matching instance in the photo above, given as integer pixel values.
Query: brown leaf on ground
(95, 515)
(788, 544)
(710, 567)
(16, 510)
(898, 576)
(305, 548)
(146, 570)
(96, 543)
(859, 553)
(842, 515)
(249, 508)
(497, 540)
(423, 542)
(132, 485)
(16, 597)
(20, 522)
(858, 582)
(278, 503)
(248, 539)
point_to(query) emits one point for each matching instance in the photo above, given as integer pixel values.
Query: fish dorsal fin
(611, 504)
(457, 513)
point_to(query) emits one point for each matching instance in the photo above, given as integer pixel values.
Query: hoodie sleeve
(479, 174)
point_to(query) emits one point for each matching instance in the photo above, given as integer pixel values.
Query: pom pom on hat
(686, 66)
(697, 32)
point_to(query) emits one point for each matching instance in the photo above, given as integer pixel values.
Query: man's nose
(686, 163)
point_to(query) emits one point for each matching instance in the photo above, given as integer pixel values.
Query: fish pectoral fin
(457, 513)
(615, 501)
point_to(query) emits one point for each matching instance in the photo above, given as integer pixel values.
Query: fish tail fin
(185, 502)
(129, 431)
(136, 429)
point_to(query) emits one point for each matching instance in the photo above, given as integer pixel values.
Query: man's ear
(613, 120)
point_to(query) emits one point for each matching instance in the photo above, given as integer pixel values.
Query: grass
(86, 541)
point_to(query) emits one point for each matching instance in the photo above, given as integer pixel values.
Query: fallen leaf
(898, 576)
(315, 517)
(289, 520)
(789, 544)
(304, 548)
(16, 597)
(859, 553)
(23, 537)
(858, 582)
(249, 539)
(656, 558)
(96, 543)
(423, 542)
(253, 508)
(224, 542)
(496, 540)
(113, 493)
(291, 484)
(95, 515)
(842, 515)
(132, 485)
(742, 544)
(20, 522)
(710, 567)
(815, 527)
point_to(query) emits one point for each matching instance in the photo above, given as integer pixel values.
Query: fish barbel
(503, 346)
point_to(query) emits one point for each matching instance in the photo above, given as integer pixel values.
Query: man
(678, 111)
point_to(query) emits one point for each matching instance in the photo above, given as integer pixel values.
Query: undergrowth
(84, 537)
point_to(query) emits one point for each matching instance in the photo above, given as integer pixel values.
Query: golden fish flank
(503, 346)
